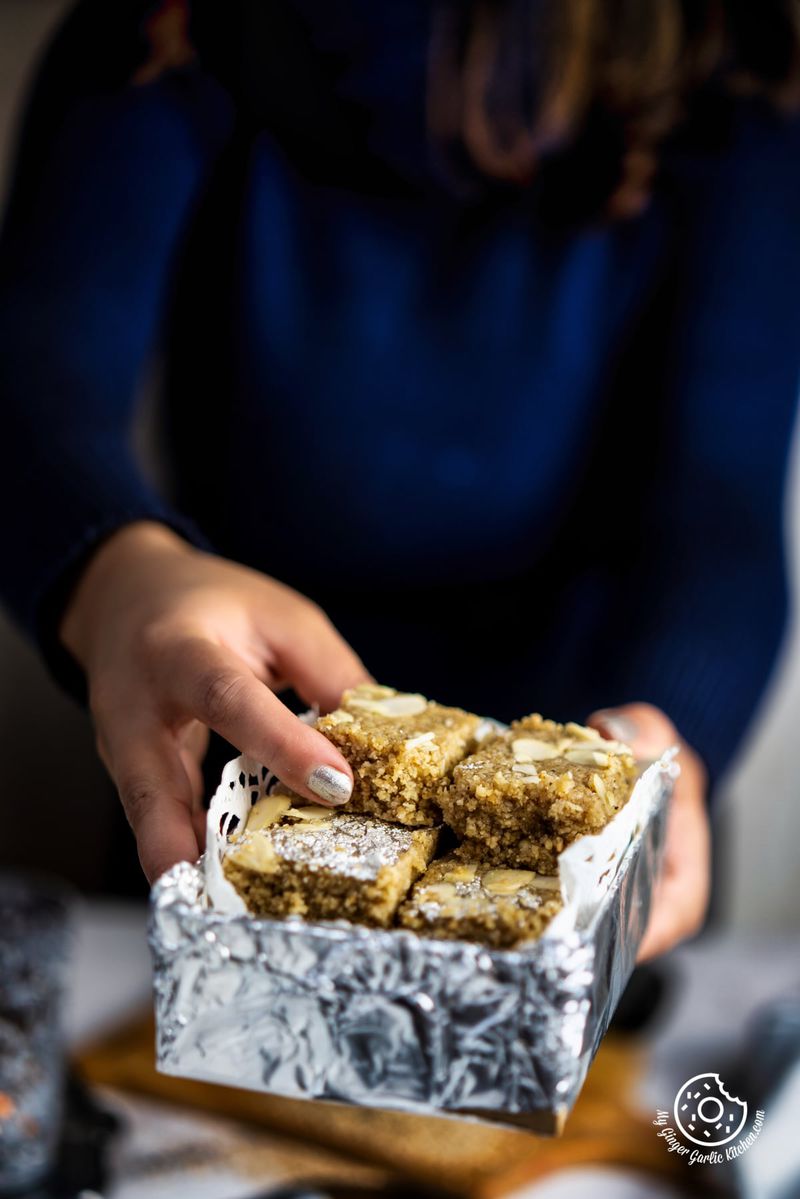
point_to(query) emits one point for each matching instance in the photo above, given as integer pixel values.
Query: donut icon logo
(706, 1114)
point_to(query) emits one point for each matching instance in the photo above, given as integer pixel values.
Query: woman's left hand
(681, 894)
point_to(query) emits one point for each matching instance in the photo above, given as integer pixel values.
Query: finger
(194, 738)
(644, 727)
(676, 914)
(192, 746)
(677, 907)
(214, 685)
(664, 928)
(156, 793)
(319, 663)
(681, 895)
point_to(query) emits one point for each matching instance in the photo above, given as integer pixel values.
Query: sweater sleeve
(90, 242)
(711, 403)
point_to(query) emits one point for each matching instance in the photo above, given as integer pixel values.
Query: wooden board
(476, 1160)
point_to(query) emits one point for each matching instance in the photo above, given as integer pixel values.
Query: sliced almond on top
(527, 770)
(267, 811)
(531, 749)
(616, 747)
(461, 874)
(255, 853)
(580, 732)
(311, 811)
(369, 691)
(339, 717)
(420, 739)
(587, 757)
(438, 892)
(506, 882)
(392, 706)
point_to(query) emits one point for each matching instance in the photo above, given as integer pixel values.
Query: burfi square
(471, 901)
(325, 865)
(520, 800)
(401, 748)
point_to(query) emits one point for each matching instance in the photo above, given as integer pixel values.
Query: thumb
(156, 792)
(643, 727)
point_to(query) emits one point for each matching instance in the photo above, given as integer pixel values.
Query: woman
(479, 331)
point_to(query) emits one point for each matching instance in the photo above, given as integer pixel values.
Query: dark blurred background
(47, 745)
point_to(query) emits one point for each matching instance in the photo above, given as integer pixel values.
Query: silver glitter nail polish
(332, 786)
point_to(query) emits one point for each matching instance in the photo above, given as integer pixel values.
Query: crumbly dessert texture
(470, 901)
(515, 799)
(325, 865)
(401, 748)
(524, 797)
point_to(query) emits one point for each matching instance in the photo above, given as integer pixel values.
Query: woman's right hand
(175, 642)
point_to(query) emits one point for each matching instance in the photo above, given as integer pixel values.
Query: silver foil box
(385, 1018)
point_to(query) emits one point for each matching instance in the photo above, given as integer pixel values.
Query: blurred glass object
(33, 945)
(771, 1168)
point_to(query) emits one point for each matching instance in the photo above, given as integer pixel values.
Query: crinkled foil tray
(387, 1019)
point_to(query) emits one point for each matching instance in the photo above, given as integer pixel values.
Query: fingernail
(617, 726)
(332, 786)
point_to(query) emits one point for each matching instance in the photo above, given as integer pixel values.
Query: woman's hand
(681, 894)
(175, 642)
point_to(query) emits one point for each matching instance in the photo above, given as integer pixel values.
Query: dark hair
(576, 97)
(585, 92)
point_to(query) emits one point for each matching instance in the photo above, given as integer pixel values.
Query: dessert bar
(522, 798)
(468, 901)
(325, 865)
(401, 748)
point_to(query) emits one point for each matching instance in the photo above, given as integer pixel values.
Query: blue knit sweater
(521, 467)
